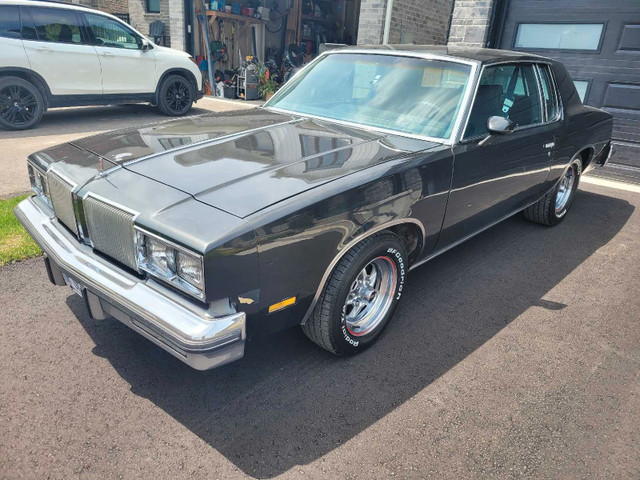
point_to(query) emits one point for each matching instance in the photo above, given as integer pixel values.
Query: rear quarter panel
(583, 127)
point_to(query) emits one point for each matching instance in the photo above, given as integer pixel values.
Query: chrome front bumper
(191, 333)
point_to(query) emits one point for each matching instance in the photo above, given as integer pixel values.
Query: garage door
(599, 42)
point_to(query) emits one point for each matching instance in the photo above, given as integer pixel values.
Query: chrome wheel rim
(18, 105)
(370, 296)
(178, 96)
(565, 189)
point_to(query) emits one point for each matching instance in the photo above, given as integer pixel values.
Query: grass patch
(15, 242)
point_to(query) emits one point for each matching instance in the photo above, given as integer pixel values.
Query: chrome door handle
(106, 54)
(550, 145)
(44, 49)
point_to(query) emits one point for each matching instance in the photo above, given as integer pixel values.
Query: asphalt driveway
(516, 354)
(64, 124)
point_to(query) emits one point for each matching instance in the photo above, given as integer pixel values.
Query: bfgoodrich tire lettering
(361, 295)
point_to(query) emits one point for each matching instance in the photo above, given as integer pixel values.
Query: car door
(58, 51)
(495, 177)
(126, 68)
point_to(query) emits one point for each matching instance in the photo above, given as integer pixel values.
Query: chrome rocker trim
(190, 333)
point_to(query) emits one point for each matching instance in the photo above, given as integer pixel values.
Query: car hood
(239, 162)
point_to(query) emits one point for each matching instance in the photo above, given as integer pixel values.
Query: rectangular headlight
(39, 183)
(170, 262)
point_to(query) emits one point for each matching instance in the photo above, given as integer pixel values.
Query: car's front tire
(553, 207)
(175, 96)
(21, 104)
(360, 296)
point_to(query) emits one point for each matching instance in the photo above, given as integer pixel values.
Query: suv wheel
(21, 104)
(176, 95)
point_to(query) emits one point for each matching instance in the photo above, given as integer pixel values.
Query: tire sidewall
(8, 81)
(163, 92)
(391, 249)
(559, 216)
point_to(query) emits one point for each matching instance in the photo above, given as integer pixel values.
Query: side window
(9, 21)
(56, 25)
(509, 91)
(109, 33)
(549, 93)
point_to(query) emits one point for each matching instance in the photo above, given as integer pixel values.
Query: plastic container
(228, 9)
(236, 9)
(229, 91)
(248, 12)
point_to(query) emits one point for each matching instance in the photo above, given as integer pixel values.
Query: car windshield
(404, 94)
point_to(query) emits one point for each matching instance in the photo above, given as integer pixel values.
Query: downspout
(387, 22)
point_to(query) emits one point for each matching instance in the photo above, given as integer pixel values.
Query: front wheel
(552, 208)
(361, 295)
(176, 96)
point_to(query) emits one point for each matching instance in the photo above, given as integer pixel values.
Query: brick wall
(420, 22)
(371, 22)
(109, 6)
(171, 14)
(412, 21)
(470, 22)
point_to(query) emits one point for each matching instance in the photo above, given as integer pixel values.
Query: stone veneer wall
(470, 22)
(412, 21)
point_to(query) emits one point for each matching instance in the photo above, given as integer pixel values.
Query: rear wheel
(552, 208)
(21, 104)
(360, 296)
(175, 96)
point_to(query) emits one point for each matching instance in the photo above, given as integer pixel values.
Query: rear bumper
(190, 333)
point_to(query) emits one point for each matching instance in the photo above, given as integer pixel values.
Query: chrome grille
(60, 194)
(110, 230)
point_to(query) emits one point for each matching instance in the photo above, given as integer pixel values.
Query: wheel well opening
(188, 76)
(33, 79)
(411, 236)
(586, 155)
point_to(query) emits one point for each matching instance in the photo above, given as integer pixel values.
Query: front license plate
(75, 286)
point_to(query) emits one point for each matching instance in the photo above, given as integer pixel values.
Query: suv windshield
(404, 94)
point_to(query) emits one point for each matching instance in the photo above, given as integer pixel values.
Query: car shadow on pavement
(289, 403)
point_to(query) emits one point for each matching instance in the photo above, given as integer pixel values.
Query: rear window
(56, 25)
(9, 21)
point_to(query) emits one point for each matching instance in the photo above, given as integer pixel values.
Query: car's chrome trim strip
(348, 246)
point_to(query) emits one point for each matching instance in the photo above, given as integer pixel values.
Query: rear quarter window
(9, 21)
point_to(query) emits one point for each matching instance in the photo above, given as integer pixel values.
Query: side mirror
(500, 125)
(145, 45)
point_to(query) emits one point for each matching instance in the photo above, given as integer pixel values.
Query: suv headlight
(39, 183)
(170, 262)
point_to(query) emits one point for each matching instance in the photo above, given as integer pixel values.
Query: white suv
(60, 55)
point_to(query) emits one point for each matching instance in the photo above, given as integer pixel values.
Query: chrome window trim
(533, 62)
(175, 246)
(466, 97)
(555, 92)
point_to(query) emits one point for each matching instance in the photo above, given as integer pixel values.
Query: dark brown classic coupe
(311, 210)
